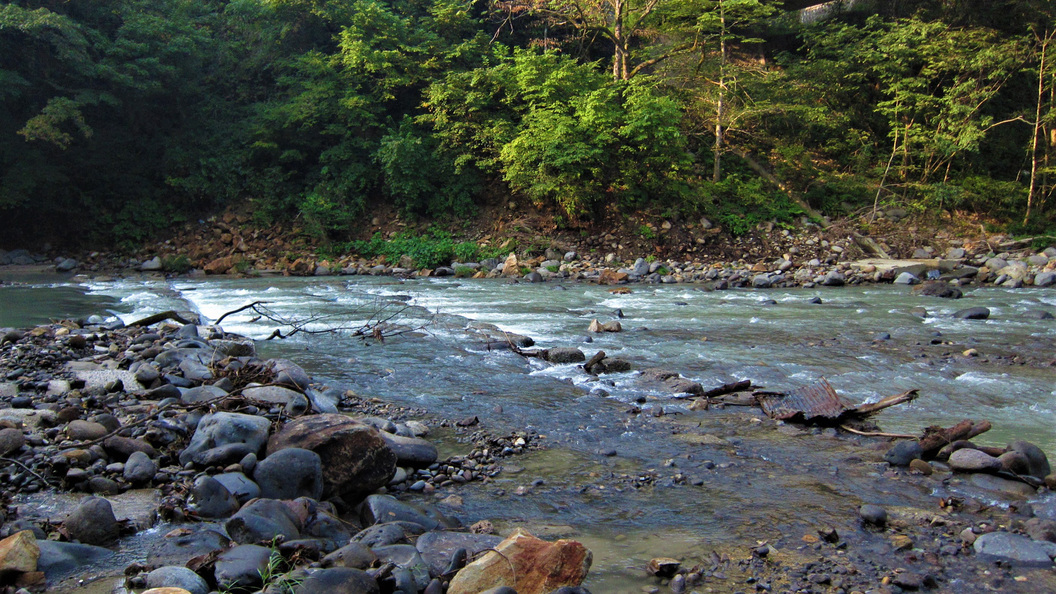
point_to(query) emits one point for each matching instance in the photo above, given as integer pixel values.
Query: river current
(689, 483)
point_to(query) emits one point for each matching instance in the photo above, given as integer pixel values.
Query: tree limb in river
(378, 325)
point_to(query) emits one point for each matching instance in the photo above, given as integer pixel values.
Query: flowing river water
(680, 485)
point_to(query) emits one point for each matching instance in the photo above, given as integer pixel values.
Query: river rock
(356, 460)
(411, 451)
(80, 430)
(1041, 529)
(92, 522)
(152, 265)
(378, 509)
(59, 559)
(175, 576)
(438, 546)
(385, 533)
(405, 556)
(240, 568)
(1002, 486)
(969, 460)
(903, 453)
(906, 278)
(1045, 279)
(973, 313)
(1016, 548)
(354, 555)
(563, 355)
(239, 485)
(11, 440)
(201, 394)
(139, 468)
(225, 428)
(941, 289)
(509, 267)
(873, 514)
(211, 499)
(263, 520)
(290, 473)
(121, 448)
(1038, 462)
(338, 580)
(19, 553)
(531, 565)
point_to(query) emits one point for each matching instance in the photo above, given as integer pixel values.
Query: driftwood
(597, 358)
(728, 389)
(935, 437)
(819, 404)
(160, 317)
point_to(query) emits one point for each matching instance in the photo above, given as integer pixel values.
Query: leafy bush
(435, 248)
(179, 264)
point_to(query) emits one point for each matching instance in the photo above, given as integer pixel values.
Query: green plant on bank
(553, 268)
(428, 250)
(244, 267)
(646, 232)
(464, 272)
(177, 264)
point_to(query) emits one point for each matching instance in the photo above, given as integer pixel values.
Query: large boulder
(439, 546)
(92, 522)
(241, 568)
(969, 460)
(289, 474)
(19, 553)
(1016, 548)
(524, 562)
(378, 509)
(220, 429)
(338, 580)
(262, 520)
(1038, 463)
(356, 460)
(175, 576)
(411, 451)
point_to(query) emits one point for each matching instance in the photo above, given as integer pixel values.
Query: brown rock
(921, 466)
(80, 430)
(356, 460)
(301, 267)
(166, 590)
(529, 564)
(509, 267)
(609, 276)
(664, 567)
(11, 439)
(19, 553)
(222, 265)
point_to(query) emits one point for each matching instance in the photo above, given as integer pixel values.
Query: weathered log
(728, 388)
(160, 317)
(936, 437)
(597, 358)
(870, 408)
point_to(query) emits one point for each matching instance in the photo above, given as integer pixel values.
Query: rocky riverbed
(205, 467)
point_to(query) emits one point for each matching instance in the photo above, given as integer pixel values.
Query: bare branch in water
(379, 323)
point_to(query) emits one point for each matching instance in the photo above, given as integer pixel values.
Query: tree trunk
(720, 106)
(619, 54)
(1038, 127)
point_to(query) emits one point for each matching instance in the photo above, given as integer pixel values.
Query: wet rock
(59, 559)
(663, 567)
(405, 556)
(11, 440)
(873, 514)
(384, 534)
(1016, 548)
(973, 313)
(969, 460)
(354, 555)
(1038, 314)
(174, 576)
(273, 395)
(262, 520)
(338, 580)
(139, 468)
(563, 355)
(903, 453)
(201, 394)
(356, 460)
(1004, 487)
(531, 565)
(239, 485)
(1038, 462)
(909, 580)
(240, 568)
(224, 428)
(379, 509)
(19, 553)
(941, 289)
(411, 451)
(1041, 529)
(437, 547)
(1045, 279)
(211, 499)
(290, 473)
(918, 465)
(1014, 462)
(92, 522)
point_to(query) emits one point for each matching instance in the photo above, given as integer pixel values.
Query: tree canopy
(120, 118)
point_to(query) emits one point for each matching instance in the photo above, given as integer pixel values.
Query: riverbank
(740, 447)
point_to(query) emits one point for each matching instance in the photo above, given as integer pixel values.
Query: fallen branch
(160, 317)
(27, 469)
(597, 358)
(935, 437)
(728, 389)
(868, 409)
(876, 433)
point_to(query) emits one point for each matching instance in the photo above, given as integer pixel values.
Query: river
(678, 485)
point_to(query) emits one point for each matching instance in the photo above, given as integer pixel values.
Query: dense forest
(122, 117)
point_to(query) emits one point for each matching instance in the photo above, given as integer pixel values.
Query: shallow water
(755, 480)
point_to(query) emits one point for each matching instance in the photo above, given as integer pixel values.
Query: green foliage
(740, 202)
(178, 264)
(432, 249)
(646, 232)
